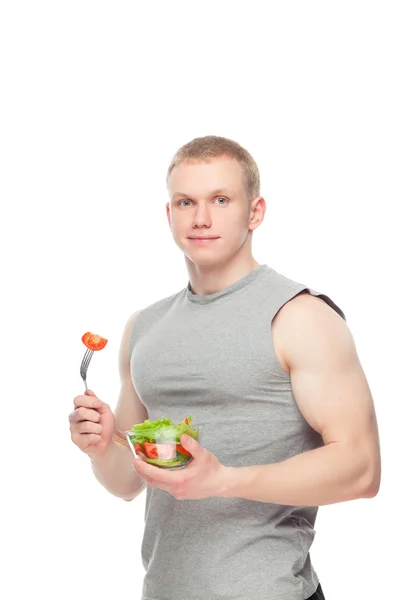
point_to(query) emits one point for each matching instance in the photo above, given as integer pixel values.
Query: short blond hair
(213, 146)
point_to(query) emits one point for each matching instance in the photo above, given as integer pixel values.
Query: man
(269, 368)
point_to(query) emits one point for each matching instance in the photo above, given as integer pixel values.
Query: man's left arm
(333, 395)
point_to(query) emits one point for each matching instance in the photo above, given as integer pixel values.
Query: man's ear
(168, 208)
(257, 212)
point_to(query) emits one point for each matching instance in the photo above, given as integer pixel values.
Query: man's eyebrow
(214, 193)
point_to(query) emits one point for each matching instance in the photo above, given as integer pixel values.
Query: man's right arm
(114, 468)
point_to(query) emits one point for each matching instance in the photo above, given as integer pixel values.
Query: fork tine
(84, 365)
(88, 358)
(85, 361)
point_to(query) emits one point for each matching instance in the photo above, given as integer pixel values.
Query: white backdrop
(95, 99)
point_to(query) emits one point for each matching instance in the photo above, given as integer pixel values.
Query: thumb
(102, 407)
(191, 444)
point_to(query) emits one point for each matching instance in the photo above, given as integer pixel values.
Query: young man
(269, 368)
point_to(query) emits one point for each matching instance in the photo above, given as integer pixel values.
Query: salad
(158, 442)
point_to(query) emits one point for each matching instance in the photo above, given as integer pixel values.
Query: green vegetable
(167, 463)
(149, 431)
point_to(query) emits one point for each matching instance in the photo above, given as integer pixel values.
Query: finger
(84, 414)
(84, 440)
(89, 439)
(91, 402)
(159, 475)
(89, 427)
(101, 406)
(155, 483)
(191, 444)
(87, 401)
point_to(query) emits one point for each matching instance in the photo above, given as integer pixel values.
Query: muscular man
(269, 368)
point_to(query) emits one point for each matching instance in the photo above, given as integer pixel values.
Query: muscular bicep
(331, 391)
(129, 409)
(328, 382)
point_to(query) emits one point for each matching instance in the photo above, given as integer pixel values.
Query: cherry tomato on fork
(94, 341)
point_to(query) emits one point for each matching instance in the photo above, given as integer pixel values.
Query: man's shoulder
(164, 302)
(307, 315)
(158, 307)
(306, 304)
(144, 318)
(293, 296)
(307, 321)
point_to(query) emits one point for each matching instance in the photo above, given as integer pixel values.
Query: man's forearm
(327, 475)
(115, 471)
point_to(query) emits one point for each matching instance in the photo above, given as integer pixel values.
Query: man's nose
(202, 216)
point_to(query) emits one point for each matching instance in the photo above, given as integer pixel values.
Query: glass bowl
(159, 446)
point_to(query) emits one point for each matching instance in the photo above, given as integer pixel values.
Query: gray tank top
(212, 357)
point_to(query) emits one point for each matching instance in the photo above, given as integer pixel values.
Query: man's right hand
(93, 428)
(92, 424)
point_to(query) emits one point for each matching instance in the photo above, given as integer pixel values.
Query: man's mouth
(203, 237)
(202, 240)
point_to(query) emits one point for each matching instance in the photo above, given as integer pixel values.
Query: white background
(95, 99)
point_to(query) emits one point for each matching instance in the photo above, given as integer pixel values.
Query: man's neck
(211, 280)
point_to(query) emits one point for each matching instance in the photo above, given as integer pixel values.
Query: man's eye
(221, 198)
(182, 202)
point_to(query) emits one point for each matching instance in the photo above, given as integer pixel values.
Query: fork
(84, 365)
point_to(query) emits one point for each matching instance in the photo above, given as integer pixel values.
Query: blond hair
(213, 146)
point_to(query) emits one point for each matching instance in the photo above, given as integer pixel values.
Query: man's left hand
(204, 477)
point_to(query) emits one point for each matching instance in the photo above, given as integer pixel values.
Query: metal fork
(84, 365)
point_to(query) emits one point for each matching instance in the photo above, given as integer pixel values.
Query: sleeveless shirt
(212, 357)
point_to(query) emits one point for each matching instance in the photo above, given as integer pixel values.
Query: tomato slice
(182, 450)
(139, 450)
(186, 421)
(163, 451)
(94, 341)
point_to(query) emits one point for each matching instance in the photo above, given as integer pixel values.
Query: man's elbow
(372, 489)
(371, 481)
(130, 497)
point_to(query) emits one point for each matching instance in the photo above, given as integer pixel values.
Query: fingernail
(98, 403)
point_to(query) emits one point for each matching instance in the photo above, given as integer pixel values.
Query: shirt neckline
(234, 287)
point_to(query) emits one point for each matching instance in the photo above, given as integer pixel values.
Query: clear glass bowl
(162, 448)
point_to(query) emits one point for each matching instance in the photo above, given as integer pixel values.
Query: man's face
(209, 211)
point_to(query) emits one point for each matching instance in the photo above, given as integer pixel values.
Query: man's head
(214, 188)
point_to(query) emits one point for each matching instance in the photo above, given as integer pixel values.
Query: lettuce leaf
(149, 431)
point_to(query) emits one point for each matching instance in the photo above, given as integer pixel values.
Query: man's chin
(203, 259)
